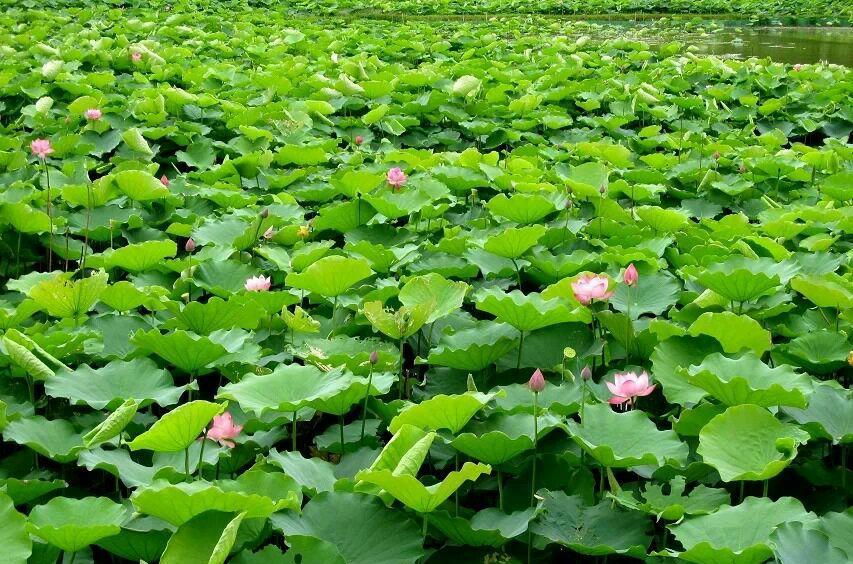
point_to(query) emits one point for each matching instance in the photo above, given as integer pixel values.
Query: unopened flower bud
(189, 246)
(537, 381)
(586, 373)
(374, 357)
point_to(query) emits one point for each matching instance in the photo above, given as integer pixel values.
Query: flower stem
(520, 346)
(500, 491)
(766, 487)
(535, 446)
(49, 218)
(293, 432)
(187, 462)
(201, 453)
(342, 436)
(364, 405)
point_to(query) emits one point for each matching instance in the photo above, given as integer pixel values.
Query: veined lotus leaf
(299, 321)
(441, 412)
(738, 534)
(654, 293)
(223, 277)
(99, 388)
(179, 503)
(124, 296)
(443, 295)
(27, 490)
(206, 538)
(330, 276)
(793, 543)
(64, 298)
(25, 359)
(355, 182)
(734, 332)
(351, 353)
(136, 257)
(314, 475)
(399, 324)
(383, 259)
(410, 200)
(587, 179)
(670, 361)
(177, 430)
(474, 348)
(190, 352)
(743, 279)
(407, 489)
(14, 538)
(836, 525)
(270, 554)
(829, 414)
(673, 506)
(564, 399)
(73, 524)
(513, 242)
(57, 439)
(112, 425)
(746, 442)
(524, 312)
(343, 217)
(215, 314)
(827, 290)
(622, 440)
(118, 463)
(24, 218)
(405, 452)
(662, 220)
(589, 529)
(839, 186)
(502, 437)
(521, 208)
(747, 380)
(139, 185)
(818, 352)
(374, 534)
(308, 254)
(489, 527)
(292, 387)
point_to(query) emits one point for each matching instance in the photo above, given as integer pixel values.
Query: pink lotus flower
(359, 139)
(396, 178)
(136, 56)
(165, 180)
(537, 381)
(269, 233)
(628, 386)
(93, 114)
(223, 428)
(41, 148)
(798, 67)
(631, 276)
(190, 245)
(258, 284)
(591, 287)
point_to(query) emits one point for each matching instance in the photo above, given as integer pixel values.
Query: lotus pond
(326, 290)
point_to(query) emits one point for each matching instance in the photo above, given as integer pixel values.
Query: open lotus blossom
(798, 67)
(41, 148)
(258, 284)
(223, 429)
(269, 233)
(628, 386)
(537, 381)
(93, 114)
(396, 178)
(165, 180)
(591, 287)
(136, 56)
(631, 276)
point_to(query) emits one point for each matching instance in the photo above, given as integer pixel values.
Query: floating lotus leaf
(829, 414)
(314, 475)
(622, 440)
(674, 505)
(513, 242)
(474, 348)
(73, 524)
(734, 332)
(525, 312)
(330, 276)
(206, 538)
(521, 208)
(177, 429)
(441, 412)
(502, 437)
(742, 279)
(399, 324)
(828, 290)
(747, 443)
(444, 296)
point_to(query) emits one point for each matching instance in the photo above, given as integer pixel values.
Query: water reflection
(785, 45)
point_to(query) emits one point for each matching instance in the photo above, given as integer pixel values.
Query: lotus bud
(742, 168)
(602, 189)
(631, 275)
(164, 180)
(269, 233)
(716, 155)
(586, 373)
(359, 139)
(189, 246)
(537, 381)
(185, 296)
(374, 358)
(265, 213)
(568, 204)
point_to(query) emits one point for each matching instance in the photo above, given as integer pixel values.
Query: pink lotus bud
(537, 381)
(798, 67)
(374, 357)
(41, 148)
(165, 180)
(93, 114)
(716, 155)
(189, 246)
(586, 373)
(602, 189)
(359, 139)
(631, 275)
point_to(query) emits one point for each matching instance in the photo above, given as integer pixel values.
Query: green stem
(500, 491)
(187, 462)
(517, 273)
(402, 385)
(364, 405)
(426, 522)
(456, 493)
(293, 433)
(766, 486)
(520, 346)
(342, 436)
(201, 453)
(741, 491)
(844, 469)
(535, 446)
(49, 218)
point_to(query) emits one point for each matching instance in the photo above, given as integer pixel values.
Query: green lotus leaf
(444, 296)
(57, 439)
(299, 321)
(746, 442)
(587, 179)
(739, 534)
(794, 543)
(670, 361)
(355, 182)
(112, 425)
(829, 414)
(818, 352)
(61, 297)
(489, 527)
(405, 452)
(223, 277)
(14, 538)
(502, 437)
(441, 412)
(742, 279)
(137, 257)
(139, 185)
(124, 296)
(27, 490)
(734, 332)
(836, 525)
(330, 276)
(215, 314)
(118, 463)
(521, 208)
(24, 218)
(177, 430)
(73, 524)
(270, 554)
(662, 220)
(589, 529)
(563, 399)
(513, 242)
(206, 538)
(190, 352)
(314, 475)
(407, 489)
(654, 293)
(412, 199)
(351, 353)
(474, 348)
(26, 360)
(827, 290)
(622, 440)
(674, 505)
(138, 379)
(134, 139)
(524, 312)
(374, 534)
(747, 380)
(399, 324)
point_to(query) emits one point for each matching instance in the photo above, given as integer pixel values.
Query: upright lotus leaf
(589, 529)
(374, 533)
(622, 440)
(674, 505)
(64, 298)
(139, 185)
(215, 314)
(14, 538)
(405, 452)
(654, 293)
(742, 279)
(521, 208)
(836, 525)
(314, 475)
(223, 277)
(177, 430)
(746, 442)
(26, 360)
(299, 321)
(444, 296)
(746, 379)
(734, 332)
(739, 534)
(73, 524)
(794, 543)
(662, 220)
(827, 290)
(27, 490)
(441, 412)
(330, 276)
(501, 437)
(587, 179)
(489, 527)
(112, 425)
(525, 312)
(124, 296)
(670, 361)
(413, 494)
(139, 257)
(138, 379)
(474, 348)
(829, 414)
(817, 352)
(399, 324)
(513, 242)
(206, 538)
(355, 182)
(563, 399)
(57, 439)
(190, 352)
(118, 463)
